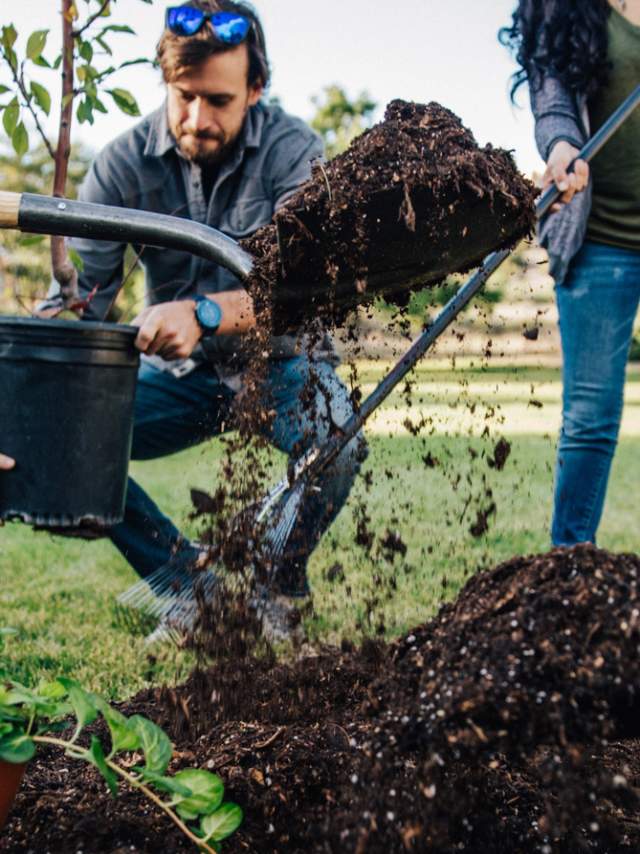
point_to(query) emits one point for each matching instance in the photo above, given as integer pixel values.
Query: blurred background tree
(339, 119)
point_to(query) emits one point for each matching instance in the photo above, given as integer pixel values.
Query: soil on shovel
(507, 723)
(413, 200)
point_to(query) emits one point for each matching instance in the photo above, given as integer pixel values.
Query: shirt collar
(160, 139)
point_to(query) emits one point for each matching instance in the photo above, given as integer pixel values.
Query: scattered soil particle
(507, 723)
(501, 454)
(481, 524)
(411, 201)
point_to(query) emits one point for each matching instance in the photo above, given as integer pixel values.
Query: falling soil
(509, 723)
(411, 201)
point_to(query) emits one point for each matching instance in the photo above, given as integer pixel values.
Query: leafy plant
(339, 119)
(82, 60)
(192, 798)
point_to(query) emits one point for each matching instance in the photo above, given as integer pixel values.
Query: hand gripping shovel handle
(46, 215)
(350, 428)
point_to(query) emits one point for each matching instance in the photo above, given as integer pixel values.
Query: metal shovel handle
(46, 215)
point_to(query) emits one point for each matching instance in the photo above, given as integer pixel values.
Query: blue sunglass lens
(229, 27)
(184, 20)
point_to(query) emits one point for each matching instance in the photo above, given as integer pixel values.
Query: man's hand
(169, 330)
(569, 183)
(6, 463)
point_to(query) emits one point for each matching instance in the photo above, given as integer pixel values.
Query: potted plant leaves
(192, 798)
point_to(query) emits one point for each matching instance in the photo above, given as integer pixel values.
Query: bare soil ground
(507, 723)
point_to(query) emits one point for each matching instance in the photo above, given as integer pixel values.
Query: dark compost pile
(506, 724)
(413, 200)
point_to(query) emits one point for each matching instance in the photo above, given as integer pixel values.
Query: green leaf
(155, 744)
(140, 61)
(95, 755)
(163, 784)
(86, 51)
(17, 748)
(4, 89)
(84, 111)
(36, 43)
(123, 734)
(41, 62)
(207, 792)
(42, 96)
(51, 690)
(105, 47)
(9, 36)
(76, 259)
(83, 703)
(10, 117)
(125, 101)
(20, 140)
(117, 28)
(33, 240)
(222, 823)
(98, 105)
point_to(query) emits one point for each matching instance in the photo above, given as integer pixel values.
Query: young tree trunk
(63, 270)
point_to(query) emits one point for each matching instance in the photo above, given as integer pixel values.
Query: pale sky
(422, 50)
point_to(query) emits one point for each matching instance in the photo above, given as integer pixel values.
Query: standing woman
(581, 59)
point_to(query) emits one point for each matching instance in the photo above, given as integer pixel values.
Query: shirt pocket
(246, 216)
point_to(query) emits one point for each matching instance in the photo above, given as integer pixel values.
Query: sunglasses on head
(228, 27)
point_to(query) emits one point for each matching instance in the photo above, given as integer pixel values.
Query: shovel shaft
(47, 215)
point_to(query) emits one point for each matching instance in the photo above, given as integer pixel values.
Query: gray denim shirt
(559, 115)
(144, 169)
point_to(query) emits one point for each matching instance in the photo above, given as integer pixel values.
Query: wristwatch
(208, 315)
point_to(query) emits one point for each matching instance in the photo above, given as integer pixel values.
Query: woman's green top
(615, 213)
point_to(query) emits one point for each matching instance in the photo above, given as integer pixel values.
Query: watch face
(209, 314)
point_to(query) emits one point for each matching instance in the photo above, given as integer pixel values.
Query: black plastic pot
(67, 394)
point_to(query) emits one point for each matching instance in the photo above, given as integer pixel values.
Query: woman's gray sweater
(559, 115)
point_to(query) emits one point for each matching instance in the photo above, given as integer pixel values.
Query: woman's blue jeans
(597, 305)
(172, 414)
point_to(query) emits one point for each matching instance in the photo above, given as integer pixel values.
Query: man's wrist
(208, 315)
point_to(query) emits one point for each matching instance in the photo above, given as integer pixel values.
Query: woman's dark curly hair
(565, 38)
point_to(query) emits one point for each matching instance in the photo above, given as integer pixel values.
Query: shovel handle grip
(9, 208)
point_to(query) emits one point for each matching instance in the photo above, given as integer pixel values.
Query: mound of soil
(506, 724)
(413, 200)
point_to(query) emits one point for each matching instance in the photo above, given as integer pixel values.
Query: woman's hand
(6, 463)
(569, 183)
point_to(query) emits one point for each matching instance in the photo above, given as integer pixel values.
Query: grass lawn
(58, 593)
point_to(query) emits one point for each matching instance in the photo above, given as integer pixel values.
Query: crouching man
(216, 153)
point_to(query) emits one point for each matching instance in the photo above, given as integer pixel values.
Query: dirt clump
(507, 723)
(411, 201)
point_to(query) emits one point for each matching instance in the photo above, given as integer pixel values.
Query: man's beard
(197, 153)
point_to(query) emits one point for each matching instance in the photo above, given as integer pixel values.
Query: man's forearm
(238, 315)
(171, 329)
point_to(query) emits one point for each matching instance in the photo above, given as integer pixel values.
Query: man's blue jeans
(173, 414)
(597, 305)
